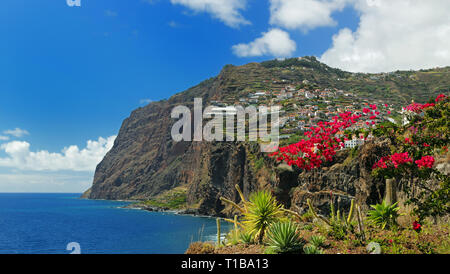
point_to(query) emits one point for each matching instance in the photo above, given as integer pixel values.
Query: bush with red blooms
(393, 161)
(417, 227)
(323, 141)
(425, 162)
(411, 152)
(425, 135)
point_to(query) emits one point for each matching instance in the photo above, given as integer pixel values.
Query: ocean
(64, 223)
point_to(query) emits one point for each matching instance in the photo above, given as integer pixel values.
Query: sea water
(60, 223)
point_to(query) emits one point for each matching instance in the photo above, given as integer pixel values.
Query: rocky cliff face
(145, 161)
(347, 178)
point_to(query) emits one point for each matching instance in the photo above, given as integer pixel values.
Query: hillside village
(302, 107)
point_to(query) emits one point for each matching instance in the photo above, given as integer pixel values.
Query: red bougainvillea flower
(395, 160)
(425, 162)
(417, 226)
(390, 241)
(400, 158)
(415, 107)
(320, 145)
(428, 105)
(388, 112)
(418, 108)
(426, 145)
(440, 97)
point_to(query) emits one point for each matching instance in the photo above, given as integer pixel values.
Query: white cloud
(394, 35)
(71, 158)
(4, 138)
(227, 11)
(304, 14)
(275, 42)
(17, 132)
(44, 182)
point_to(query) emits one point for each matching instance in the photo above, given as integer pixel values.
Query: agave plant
(312, 249)
(284, 237)
(262, 211)
(258, 213)
(245, 237)
(317, 241)
(384, 215)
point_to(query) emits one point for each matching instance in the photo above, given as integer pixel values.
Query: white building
(353, 143)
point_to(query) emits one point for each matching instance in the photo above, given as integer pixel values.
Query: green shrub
(262, 211)
(259, 164)
(312, 249)
(233, 237)
(284, 237)
(384, 215)
(317, 241)
(270, 250)
(246, 238)
(338, 230)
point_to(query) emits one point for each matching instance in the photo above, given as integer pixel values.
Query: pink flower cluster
(418, 108)
(425, 162)
(321, 144)
(440, 97)
(394, 160)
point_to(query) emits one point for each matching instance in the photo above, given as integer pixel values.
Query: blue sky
(72, 74)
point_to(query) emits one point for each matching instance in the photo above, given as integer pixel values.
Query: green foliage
(338, 230)
(430, 127)
(308, 216)
(171, 200)
(317, 241)
(262, 211)
(384, 215)
(236, 236)
(284, 237)
(435, 203)
(312, 249)
(259, 164)
(308, 62)
(233, 237)
(246, 237)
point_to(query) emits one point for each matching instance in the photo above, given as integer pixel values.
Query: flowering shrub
(411, 150)
(440, 97)
(417, 226)
(321, 143)
(413, 145)
(425, 162)
(393, 161)
(418, 108)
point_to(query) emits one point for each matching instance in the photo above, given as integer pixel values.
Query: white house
(353, 143)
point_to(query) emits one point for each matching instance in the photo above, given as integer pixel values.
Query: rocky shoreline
(188, 211)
